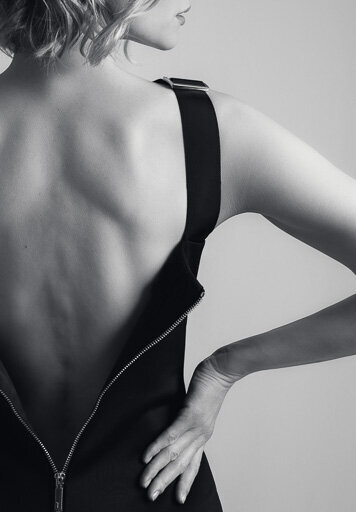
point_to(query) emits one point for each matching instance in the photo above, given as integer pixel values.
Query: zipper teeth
(30, 430)
(139, 354)
(107, 387)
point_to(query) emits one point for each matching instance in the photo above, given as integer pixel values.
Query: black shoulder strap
(202, 155)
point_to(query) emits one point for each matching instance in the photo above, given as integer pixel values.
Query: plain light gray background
(285, 439)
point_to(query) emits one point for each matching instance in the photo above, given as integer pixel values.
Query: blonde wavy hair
(46, 28)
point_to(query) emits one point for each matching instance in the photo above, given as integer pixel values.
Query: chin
(164, 43)
(166, 47)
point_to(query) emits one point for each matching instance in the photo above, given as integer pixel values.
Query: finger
(171, 471)
(187, 478)
(166, 438)
(165, 456)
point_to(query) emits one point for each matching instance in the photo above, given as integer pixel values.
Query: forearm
(327, 334)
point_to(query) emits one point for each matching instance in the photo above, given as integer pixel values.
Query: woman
(109, 187)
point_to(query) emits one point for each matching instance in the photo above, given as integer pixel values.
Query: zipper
(58, 492)
(60, 475)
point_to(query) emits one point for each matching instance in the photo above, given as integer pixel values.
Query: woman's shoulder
(238, 123)
(243, 125)
(238, 117)
(250, 141)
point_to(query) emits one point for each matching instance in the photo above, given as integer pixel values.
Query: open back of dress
(145, 387)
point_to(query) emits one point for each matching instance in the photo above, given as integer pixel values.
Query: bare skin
(92, 174)
(92, 200)
(269, 171)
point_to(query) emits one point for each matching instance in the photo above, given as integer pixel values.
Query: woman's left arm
(267, 170)
(270, 171)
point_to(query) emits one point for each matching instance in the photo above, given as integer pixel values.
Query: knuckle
(201, 439)
(206, 433)
(182, 465)
(172, 436)
(173, 455)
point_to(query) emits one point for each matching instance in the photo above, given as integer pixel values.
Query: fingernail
(155, 494)
(145, 483)
(147, 459)
(182, 497)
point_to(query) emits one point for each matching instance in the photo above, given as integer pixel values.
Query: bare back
(92, 201)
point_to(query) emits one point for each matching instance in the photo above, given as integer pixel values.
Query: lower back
(92, 201)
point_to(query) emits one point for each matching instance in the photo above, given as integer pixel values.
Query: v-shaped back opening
(176, 286)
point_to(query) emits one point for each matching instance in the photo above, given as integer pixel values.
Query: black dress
(145, 389)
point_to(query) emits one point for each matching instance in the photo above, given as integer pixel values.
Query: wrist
(205, 395)
(234, 361)
(212, 374)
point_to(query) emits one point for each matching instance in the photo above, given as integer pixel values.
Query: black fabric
(104, 470)
(202, 150)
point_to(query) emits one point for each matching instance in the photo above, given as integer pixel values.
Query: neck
(26, 70)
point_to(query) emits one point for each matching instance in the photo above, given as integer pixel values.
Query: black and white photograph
(177, 256)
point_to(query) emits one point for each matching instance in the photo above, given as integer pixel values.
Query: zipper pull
(58, 493)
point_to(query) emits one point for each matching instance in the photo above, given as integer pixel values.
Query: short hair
(46, 28)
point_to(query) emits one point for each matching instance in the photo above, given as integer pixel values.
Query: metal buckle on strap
(185, 83)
